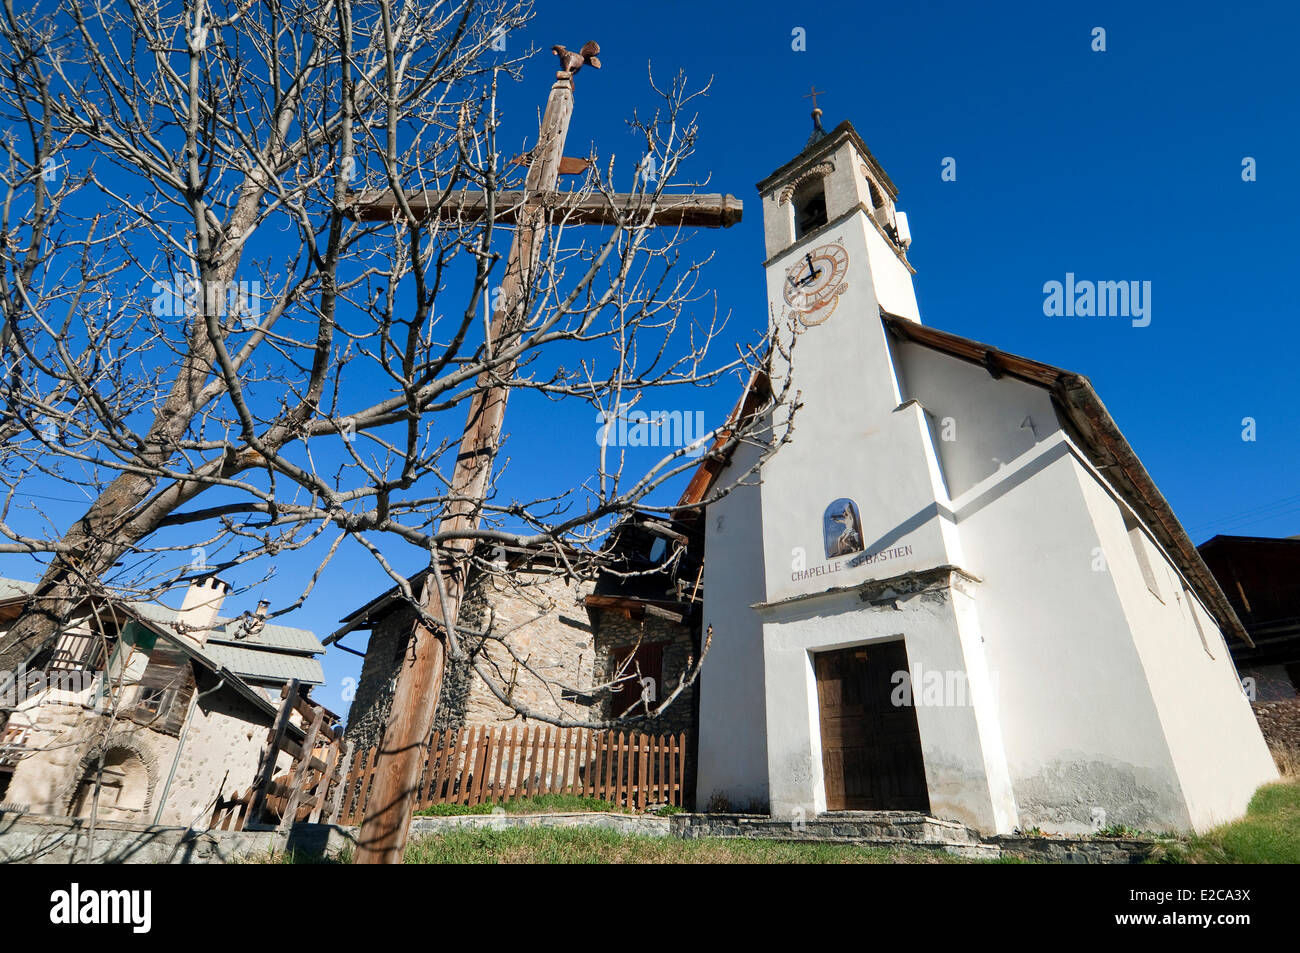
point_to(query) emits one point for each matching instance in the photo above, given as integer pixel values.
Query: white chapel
(956, 590)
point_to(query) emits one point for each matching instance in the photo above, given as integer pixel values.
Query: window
(166, 688)
(1190, 600)
(78, 651)
(1138, 540)
(809, 207)
(576, 697)
(124, 787)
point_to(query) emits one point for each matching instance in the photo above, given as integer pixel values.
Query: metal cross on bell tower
(818, 132)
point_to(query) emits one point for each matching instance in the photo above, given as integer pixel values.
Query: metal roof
(282, 637)
(12, 588)
(277, 652)
(261, 665)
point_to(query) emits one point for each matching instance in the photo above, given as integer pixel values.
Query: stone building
(1261, 578)
(177, 702)
(567, 648)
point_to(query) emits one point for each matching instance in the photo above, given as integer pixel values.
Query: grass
(1288, 761)
(539, 804)
(1268, 834)
(539, 845)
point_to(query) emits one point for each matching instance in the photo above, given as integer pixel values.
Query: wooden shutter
(650, 661)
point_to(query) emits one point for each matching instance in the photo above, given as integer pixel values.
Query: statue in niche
(842, 529)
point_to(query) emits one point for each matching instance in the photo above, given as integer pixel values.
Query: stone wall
(552, 641)
(641, 825)
(550, 645)
(616, 631)
(374, 696)
(220, 754)
(544, 623)
(33, 839)
(1280, 723)
(1082, 850)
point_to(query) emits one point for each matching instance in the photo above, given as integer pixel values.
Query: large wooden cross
(400, 759)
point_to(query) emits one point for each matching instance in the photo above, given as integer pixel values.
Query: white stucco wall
(851, 440)
(983, 423)
(1215, 742)
(1080, 728)
(1103, 703)
(960, 742)
(732, 763)
(220, 755)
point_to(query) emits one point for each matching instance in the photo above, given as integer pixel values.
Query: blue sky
(1116, 165)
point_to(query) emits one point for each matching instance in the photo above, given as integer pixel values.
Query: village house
(1261, 578)
(177, 702)
(634, 630)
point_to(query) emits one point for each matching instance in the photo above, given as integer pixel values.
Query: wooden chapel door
(871, 748)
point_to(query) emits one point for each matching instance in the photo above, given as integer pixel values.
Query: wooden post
(298, 777)
(343, 773)
(382, 839)
(272, 754)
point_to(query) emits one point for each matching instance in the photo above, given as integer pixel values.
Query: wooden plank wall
(488, 764)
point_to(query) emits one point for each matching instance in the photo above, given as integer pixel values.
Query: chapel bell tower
(832, 186)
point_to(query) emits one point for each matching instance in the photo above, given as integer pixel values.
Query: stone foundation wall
(1280, 723)
(33, 839)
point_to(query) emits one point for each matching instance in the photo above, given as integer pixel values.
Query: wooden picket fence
(486, 764)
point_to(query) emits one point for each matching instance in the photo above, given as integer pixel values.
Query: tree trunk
(93, 544)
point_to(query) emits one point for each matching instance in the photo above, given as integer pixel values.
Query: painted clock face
(814, 283)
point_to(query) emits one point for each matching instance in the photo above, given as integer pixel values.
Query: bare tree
(201, 333)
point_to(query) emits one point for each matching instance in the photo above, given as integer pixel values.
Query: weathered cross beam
(707, 211)
(400, 759)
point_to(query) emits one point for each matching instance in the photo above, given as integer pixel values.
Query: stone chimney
(199, 610)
